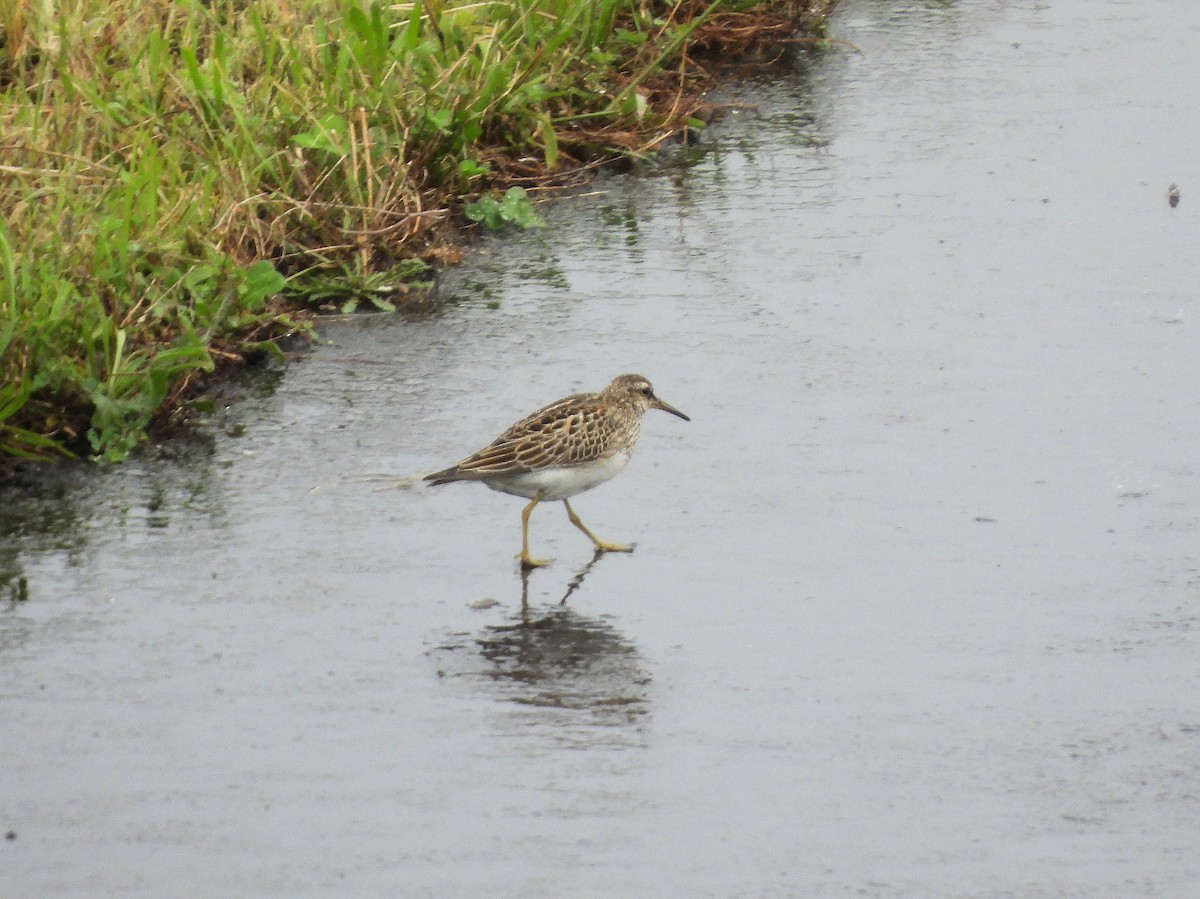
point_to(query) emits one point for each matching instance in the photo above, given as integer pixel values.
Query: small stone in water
(486, 603)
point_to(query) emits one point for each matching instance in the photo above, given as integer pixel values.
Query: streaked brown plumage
(563, 449)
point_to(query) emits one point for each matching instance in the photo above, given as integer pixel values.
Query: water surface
(912, 610)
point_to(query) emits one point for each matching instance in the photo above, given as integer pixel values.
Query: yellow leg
(601, 546)
(528, 561)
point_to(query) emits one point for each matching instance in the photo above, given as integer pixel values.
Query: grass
(180, 178)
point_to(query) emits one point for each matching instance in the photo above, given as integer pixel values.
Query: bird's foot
(604, 547)
(528, 562)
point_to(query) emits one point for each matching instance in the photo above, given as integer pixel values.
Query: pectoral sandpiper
(566, 448)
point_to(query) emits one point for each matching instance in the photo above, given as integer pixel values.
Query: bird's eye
(647, 390)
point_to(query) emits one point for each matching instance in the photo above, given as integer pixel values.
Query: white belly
(559, 483)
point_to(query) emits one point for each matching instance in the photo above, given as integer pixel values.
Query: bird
(561, 450)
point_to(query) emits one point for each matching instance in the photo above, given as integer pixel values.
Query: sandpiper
(563, 449)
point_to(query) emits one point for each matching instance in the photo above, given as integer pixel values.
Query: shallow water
(912, 611)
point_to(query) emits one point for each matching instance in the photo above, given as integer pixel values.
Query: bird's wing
(571, 431)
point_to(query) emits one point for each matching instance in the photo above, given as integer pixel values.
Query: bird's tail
(445, 476)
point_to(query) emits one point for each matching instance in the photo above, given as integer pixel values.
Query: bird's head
(637, 391)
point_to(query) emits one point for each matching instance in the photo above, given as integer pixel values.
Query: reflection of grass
(167, 166)
(18, 587)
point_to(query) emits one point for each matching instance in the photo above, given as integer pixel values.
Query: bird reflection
(572, 585)
(566, 660)
(575, 673)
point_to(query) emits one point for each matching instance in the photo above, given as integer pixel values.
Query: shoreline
(129, 283)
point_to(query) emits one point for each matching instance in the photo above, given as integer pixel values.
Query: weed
(345, 290)
(514, 208)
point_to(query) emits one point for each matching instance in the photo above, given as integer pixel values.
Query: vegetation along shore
(182, 181)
